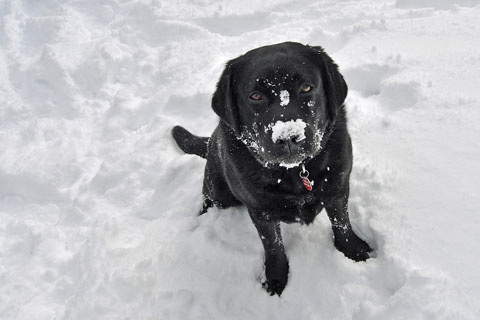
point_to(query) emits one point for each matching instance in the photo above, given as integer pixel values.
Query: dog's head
(280, 101)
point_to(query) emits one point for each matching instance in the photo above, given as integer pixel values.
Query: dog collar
(304, 176)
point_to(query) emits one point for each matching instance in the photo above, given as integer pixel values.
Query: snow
(283, 130)
(284, 98)
(98, 206)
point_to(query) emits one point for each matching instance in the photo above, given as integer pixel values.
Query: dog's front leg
(346, 240)
(276, 263)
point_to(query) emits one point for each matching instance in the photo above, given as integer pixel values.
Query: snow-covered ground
(98, 207)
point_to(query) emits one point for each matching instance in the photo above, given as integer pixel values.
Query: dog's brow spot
(284, 98)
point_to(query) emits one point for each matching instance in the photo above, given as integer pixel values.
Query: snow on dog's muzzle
(288, 131)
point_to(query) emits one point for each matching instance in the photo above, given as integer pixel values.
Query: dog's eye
(256, 96)
(306, 88)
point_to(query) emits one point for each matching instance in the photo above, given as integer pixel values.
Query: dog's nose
(292, 143)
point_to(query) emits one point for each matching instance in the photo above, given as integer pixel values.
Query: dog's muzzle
(288, 134)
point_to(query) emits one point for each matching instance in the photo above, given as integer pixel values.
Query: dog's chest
(292, 201)
(299, 184)
(301, 209)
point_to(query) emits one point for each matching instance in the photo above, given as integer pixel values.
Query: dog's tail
(190, 143)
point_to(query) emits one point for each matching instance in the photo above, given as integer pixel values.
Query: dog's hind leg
(207, 204)
(216, 191)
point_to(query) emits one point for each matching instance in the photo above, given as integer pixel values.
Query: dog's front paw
(353, 247)
(276, 273)
(274, 286)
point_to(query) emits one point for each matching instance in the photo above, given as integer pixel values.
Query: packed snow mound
(285, 130)
(98, 207)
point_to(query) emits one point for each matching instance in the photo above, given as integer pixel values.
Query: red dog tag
(307, 183)
(304, 175)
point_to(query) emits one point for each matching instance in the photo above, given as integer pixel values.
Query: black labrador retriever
(282, 148)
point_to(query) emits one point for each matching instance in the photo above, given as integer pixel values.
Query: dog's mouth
(293, 160)
(273, 157)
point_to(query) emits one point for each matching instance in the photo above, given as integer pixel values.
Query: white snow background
(98, 206)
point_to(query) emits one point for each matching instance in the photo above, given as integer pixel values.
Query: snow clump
(285, 130)
(284, 98)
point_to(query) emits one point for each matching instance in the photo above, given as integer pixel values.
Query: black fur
(190, 143)
(244, 163)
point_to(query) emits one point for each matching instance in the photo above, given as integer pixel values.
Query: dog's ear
(333, 83)
(224, 102)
